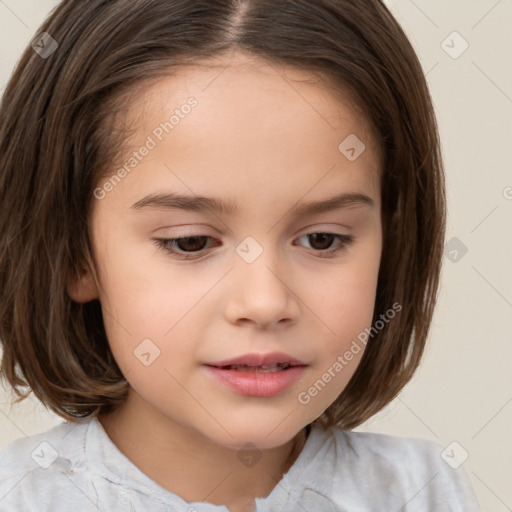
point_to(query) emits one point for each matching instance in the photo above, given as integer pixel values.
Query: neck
(207, 472)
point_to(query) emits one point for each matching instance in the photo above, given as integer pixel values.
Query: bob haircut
(57, 141)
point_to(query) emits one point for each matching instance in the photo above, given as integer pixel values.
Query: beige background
(463, 390)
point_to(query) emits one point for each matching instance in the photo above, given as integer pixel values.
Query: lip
(257, 384)
(255, 359)
(262, 384)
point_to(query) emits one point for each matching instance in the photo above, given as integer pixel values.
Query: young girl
(222, 227)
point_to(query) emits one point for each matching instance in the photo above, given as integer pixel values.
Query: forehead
(249, 82)
(252, 117)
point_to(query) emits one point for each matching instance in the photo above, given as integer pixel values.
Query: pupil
(323, 237)
(194, 246)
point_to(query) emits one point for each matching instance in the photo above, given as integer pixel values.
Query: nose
(261, 293)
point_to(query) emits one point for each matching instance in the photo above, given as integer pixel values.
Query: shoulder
(29, 464)
(397, 472)
(43, 449)
(386, 448)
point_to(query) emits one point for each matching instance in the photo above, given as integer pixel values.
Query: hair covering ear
(82, 288)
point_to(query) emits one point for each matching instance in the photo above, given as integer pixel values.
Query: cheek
(344, 303)
(344, 299)
(143, 292)
(152, 302)
(346, 313)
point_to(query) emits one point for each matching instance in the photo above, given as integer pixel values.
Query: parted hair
(57, 142)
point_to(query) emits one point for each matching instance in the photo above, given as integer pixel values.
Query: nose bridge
(258, 264)
(260, 292)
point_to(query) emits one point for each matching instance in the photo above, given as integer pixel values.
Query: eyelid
(308, 230)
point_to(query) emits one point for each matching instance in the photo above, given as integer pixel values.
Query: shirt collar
(306, 486)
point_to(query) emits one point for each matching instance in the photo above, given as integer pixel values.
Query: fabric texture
(76, 467)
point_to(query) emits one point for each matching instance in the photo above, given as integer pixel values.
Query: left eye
(325, 240)
(185, 247)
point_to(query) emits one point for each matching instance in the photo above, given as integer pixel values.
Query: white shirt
(75, 467)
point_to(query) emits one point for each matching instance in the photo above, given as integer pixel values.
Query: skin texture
(263, 137)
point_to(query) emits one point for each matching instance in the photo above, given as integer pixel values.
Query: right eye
(185, 245)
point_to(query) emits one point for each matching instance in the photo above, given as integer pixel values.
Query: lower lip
(257, 383)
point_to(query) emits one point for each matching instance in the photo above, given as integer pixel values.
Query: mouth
(258, 375)
(271, 361)
(264, 368)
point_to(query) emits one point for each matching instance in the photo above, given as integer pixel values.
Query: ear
(82, 288)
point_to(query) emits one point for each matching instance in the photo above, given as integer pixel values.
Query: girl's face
(253, 278)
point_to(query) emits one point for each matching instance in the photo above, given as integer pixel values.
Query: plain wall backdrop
(462, 392)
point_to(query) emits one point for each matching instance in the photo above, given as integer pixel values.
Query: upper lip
(255, 359)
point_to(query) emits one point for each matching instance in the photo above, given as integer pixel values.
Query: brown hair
(56, 141)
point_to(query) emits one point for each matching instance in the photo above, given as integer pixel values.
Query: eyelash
(168, 244)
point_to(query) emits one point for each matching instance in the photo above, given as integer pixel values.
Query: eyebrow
(174, 201)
